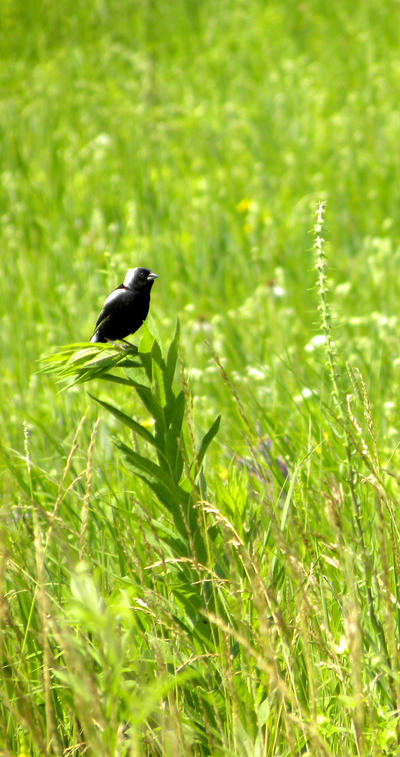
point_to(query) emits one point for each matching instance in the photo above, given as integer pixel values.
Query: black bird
(126, 307)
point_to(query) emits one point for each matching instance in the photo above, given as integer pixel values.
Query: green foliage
(171, 585)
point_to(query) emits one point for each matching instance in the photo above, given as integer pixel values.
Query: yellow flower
(244, 205)
(147, 423)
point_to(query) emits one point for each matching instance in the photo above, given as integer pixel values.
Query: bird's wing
(112, 303)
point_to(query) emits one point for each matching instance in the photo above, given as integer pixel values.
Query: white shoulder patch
(114, 296)
(130, 275)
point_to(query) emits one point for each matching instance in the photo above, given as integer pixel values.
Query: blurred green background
(196, 138)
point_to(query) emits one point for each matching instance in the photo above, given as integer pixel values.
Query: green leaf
(289, 497)
(158, 383)
(207, 439)
(171, 359)
(175, 412)
(150, 402)
(145, 347)
(127, 420)
(82, 362)
(157, 355)
(275, 567)
(174, 449)
(171, 497)
(117, 379)
(150, 468)
(146, 341)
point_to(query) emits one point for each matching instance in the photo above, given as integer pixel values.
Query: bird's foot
(126, 345)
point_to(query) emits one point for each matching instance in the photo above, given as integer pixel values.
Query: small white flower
(255, 373)
(201, 326)
(103, 140)
(305, 394)
(194, 373)
(343, 289)
(140, 602)
(316, 341)
(342, 647)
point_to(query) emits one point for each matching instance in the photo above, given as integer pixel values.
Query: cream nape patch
(130, 275)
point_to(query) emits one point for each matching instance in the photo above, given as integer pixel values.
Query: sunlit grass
(197, 139)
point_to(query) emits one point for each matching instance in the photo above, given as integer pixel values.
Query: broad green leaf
(169, 498)
(158, 383)
(145, 347)
(83, 355)
(207, 439)
(151, 469)
(174, 413)
(116, 379)
(157, 355)
(146, 341)
(150, 402)
(171, 359)
(126, 420)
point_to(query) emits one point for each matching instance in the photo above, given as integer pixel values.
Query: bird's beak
(152, 276)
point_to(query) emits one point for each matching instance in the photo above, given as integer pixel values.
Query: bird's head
(139, 278)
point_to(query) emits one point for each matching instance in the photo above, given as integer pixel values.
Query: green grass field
(172, 584)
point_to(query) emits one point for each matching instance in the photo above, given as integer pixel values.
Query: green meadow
(199, 534)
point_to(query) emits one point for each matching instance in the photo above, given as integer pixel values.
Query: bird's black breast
(123, 313)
